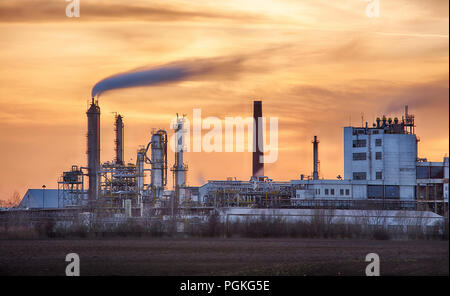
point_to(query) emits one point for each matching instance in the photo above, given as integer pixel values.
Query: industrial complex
(382, 172)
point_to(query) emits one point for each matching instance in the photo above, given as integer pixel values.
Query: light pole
(43, 195)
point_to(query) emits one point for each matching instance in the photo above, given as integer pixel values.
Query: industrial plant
(382, 176)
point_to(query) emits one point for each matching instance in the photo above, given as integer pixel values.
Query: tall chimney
(258, 154)
(315, 158)
(93, 150)
(119, 139)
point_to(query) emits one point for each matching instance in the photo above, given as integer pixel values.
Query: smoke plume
(168, 73)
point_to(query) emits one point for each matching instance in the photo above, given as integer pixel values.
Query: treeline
(261, 227)
(317, 227)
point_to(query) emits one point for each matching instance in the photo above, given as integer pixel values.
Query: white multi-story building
(383, 160)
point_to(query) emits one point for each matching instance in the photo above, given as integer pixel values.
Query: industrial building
(382, 171)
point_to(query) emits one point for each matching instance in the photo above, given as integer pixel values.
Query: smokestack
(258, 164)
(119, 139)
(315, 158)
(93, 150)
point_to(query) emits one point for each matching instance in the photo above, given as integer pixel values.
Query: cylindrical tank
(93, 150)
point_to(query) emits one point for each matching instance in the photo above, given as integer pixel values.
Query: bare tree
(13, 201)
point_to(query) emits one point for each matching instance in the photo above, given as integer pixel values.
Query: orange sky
(317, 66)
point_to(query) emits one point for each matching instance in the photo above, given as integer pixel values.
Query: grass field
(207, 256)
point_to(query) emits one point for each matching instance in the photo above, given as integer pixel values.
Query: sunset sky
(316, 65)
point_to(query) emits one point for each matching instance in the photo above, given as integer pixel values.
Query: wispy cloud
(54, 11)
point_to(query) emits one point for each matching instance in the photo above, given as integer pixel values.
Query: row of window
(430, 172)
(331, 191)
(422, 172)
(363, 156)
(363, 175)
(386, 191)
(363, 143)
(363, 131)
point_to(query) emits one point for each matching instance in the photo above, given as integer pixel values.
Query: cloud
(434, 95)
(54, 11)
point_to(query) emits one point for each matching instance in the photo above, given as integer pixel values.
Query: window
(341, 192)
(359, 131)
(317, 191)
(347, 191)
(374, 191)
(359, 175)
(359, 156)
(375, 132)
(436, 172)
(359, 143)
(332, 191)
(392, 192)
(326, 191)
(379, 175)
(423, 172)
(377, 142)
(378, 155)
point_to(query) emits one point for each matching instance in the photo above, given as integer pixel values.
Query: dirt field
(223, 257)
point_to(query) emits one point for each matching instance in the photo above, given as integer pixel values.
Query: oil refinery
(382, 172)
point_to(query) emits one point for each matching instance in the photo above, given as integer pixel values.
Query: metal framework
(71, 190)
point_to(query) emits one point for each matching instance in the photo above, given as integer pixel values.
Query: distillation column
(140, 178)
(93, 151)
(119, 142)
(159, 163)
(179, 168)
